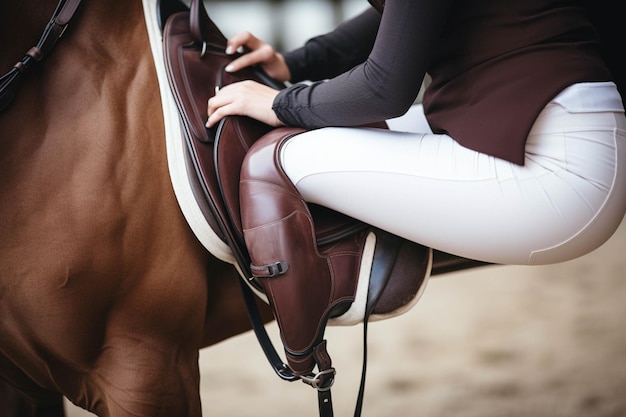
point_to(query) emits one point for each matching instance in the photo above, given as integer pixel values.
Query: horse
(106, 295)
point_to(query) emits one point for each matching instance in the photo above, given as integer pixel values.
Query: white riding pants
(565, 201)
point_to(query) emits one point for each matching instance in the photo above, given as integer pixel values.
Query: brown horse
(106, 296)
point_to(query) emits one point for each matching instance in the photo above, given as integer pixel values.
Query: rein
(11, 81)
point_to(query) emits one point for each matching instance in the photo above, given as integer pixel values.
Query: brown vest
(498, 63)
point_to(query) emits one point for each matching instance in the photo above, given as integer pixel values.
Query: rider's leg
(306, 280)
(566, 200)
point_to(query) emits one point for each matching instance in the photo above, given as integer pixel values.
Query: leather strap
(196, 10)
(380, 269)
(10, 82)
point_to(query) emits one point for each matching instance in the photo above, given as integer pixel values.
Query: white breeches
(567, 199)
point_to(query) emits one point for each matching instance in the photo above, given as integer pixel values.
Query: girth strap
(10, 82)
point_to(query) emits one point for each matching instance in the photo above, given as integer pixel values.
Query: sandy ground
(492, 342)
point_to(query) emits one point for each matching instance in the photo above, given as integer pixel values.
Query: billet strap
(10, 82)
(283, 371)
(380, 271)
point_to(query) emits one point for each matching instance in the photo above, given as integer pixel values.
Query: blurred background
(285, 24)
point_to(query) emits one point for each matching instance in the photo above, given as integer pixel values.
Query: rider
(517, 156)
(526, 162)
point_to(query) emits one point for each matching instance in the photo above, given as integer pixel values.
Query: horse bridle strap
(10, 82)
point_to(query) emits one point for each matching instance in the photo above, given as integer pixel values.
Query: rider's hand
(258, 53)
(245, 98)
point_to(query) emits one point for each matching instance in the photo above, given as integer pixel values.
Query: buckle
(269, 271)
(277, 269)
(321, 381)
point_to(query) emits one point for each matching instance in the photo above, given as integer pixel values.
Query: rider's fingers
(261, 55)
(218, 101)
(218, 108)
(255, 51)
(246, 98)
(242, 40)
(224, 103)
(220, 113)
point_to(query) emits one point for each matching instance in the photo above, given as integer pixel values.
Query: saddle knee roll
(280, 236)
(307, 283)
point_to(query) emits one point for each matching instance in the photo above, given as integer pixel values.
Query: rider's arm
(329, 55)
(385, 85)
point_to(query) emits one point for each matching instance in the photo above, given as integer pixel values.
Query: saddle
(194, 52)
(195, 59)
(195, 62)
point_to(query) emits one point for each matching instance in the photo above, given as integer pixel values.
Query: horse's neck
(92, 81)
(85, 135)
(22, 23)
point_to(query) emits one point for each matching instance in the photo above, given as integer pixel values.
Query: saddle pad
(186, 185)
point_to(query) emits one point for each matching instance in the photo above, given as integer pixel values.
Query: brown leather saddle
(194, 50)
(195, 61)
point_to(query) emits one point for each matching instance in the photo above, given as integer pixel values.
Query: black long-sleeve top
(494, 65)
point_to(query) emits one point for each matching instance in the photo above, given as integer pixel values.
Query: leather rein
(11, 81)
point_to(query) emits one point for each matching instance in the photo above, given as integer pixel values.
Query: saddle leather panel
(194, 70)
(234, 138)
(195, 65)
